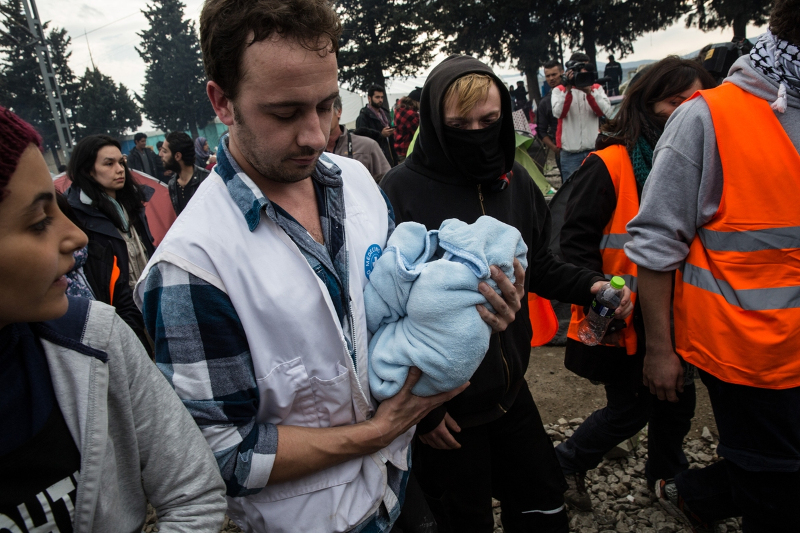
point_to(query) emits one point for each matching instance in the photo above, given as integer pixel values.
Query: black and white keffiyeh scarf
(778, 60)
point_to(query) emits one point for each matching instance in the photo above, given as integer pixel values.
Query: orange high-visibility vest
(615, 262)
(115, 272)
(737, 296)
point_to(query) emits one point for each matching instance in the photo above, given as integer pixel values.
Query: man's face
(377, 98)
(167, 157)
(282, 114)
(141, 143)
(485, 113)
(553, 76)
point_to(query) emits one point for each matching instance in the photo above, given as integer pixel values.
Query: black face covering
(458, 157)
(476, 154)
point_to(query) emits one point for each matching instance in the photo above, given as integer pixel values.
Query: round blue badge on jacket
(372, 255)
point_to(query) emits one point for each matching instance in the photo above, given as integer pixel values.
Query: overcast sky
(112, 36)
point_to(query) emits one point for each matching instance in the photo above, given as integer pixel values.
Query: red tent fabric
(159, 210)
(543, 320)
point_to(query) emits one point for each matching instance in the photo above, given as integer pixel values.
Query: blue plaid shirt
(192, 321)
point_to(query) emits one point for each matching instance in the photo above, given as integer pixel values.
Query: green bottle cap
(617, 282)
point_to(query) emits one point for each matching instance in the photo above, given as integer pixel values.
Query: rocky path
(621, 501)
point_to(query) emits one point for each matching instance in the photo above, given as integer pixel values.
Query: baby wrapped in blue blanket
(421, 297)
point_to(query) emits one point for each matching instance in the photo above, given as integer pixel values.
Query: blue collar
(249, 198)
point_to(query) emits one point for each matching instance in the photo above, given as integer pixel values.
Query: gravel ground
(621, 500)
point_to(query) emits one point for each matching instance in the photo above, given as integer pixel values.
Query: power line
(105, 54)
(109, 24)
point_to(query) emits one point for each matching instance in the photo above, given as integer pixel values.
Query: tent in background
(351, 105)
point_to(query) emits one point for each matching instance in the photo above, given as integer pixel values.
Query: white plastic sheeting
(351, 105)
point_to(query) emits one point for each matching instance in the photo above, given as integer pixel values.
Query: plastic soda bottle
(594, 325)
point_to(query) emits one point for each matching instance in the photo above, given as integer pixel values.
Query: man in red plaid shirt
(406, 122)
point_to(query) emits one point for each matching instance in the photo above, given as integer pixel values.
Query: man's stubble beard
(248, 146)
(173, 165)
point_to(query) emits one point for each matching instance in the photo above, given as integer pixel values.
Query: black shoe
(671, 501)
(576, 495)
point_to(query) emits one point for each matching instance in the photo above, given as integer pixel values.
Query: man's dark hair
(159, 144)
(668, 77)
(553, 63)
(611, 58)
(139, 136)
(229, 27)
(375, 88)
(181, 143)
(579, 57)
(784, 21)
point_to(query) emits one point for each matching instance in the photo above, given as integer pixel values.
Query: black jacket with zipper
(106, 243)
(369, 125)
(198, 176)
(427, 189)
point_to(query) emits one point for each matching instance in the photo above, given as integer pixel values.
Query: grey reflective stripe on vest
(747, 299)
(750, 241)
(630, 281)
(615, 241)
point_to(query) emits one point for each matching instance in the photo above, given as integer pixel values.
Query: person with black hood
(489, 440)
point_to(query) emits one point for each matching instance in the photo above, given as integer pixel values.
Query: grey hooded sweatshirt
(684, 188)
(137, 441)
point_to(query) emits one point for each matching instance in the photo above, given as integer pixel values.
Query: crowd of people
(224, 369)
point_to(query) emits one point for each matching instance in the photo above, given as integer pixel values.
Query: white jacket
(302, 365)
(578, 117)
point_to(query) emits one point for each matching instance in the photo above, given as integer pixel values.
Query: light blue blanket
(421, 297)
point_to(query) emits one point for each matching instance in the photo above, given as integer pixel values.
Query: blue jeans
(570, 162)
(629, 408)
(759, 437)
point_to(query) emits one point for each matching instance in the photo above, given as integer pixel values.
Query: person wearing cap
(578, 110)
(488, 441)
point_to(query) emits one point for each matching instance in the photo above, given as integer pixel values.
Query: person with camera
(578, 102)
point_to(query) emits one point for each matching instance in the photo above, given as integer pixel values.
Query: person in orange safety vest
(720, 217)
(604, 199)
